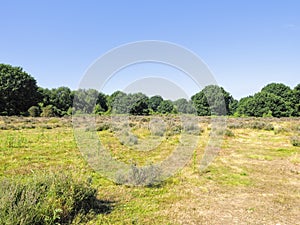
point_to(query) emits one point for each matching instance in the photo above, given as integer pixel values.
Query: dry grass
(255, 179)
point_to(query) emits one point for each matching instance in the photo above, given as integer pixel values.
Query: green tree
(184, 106)
(154, 102)
(245, 106)
(61, 98)
(118, 102)
(213, 100)
(18, 90)
(166, 106)
(296, 101)
(138, 104)
(262, 104)
(102, 102)
(85, 101)
(279, 89)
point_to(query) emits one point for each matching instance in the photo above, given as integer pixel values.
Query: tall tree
(296, 101)
(139, 104)
(154, 102)
(184, 106)
(18, 90)
(165, 107)
(212, 100)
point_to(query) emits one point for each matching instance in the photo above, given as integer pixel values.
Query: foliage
(61, 98)
(264, 103)
(154, 102)
(18, 90)
(47, 199)
(166, 106)
(213, 100)
(139, 104)
(184, 106)
(296, 100)
(19, 95)
(49, 111)
(34, 111)
(85, 100)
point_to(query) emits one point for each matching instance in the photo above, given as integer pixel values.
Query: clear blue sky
(247, 44)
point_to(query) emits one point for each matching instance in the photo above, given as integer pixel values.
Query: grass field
(255, 179)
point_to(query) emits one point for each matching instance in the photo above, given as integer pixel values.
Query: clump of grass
(295, 141)
(228, 133)
(157, 127)
(47, 199)
(223, 132)
(192, 128)
(144, 176)
(128, 139)
(261, 126)
(103, 127)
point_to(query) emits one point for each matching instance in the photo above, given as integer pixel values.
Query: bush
(261, 126)
(103, 127)
(49, 111)
(34, 111)
(295, 141)
(229, 133)
(140, 176)
(47, 199)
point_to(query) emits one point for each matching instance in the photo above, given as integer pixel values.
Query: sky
(245, 44)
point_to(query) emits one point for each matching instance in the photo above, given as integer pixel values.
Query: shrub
(49, 111)
(103, 127)
(140, 176)
(192, 128)
(34, 111)
(229, 133)
(295, 141)
(47, 199)
(261, 126)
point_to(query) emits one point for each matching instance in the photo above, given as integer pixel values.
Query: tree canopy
(18, 90)
(213, 100)
(20, 95)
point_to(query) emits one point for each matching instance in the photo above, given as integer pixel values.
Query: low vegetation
(45, 179)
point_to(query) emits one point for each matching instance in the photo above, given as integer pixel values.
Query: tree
(184, 106)
(102, 103)
(245, 106)
(264, 103)
(139, 104)
(296, 101)
(18, 90)
(85, 100)
(61, 98)
(154, 102)
(166, 106)
(118, 102)
(212, 100)
(279, 89)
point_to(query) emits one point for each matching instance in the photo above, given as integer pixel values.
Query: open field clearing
(255, 179)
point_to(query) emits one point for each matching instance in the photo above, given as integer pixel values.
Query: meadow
(254, 179)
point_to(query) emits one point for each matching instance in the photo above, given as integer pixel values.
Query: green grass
(253, 162)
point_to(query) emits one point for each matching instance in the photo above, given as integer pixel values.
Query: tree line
(20, 95)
